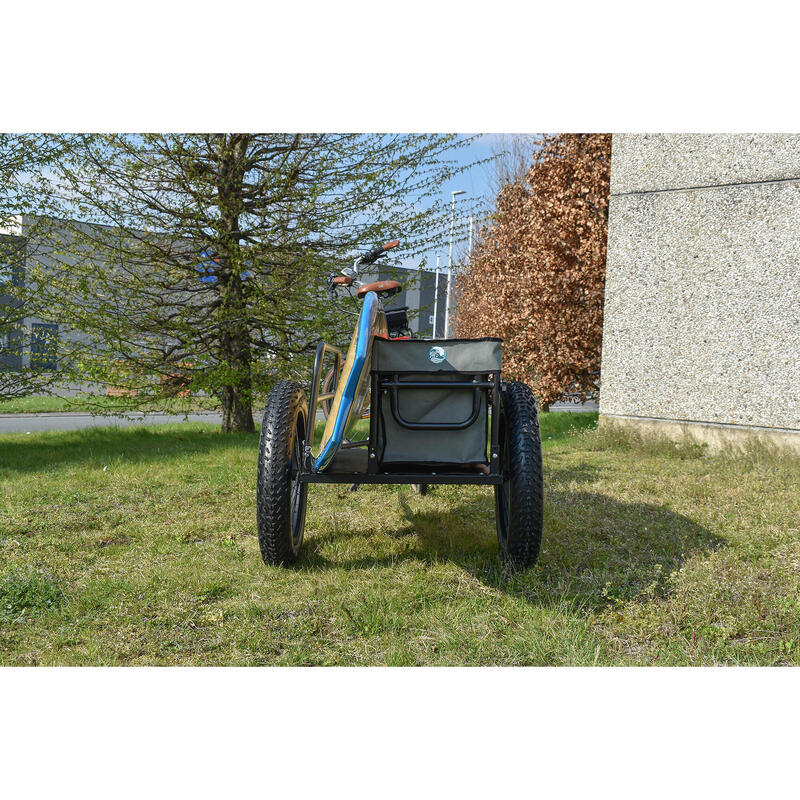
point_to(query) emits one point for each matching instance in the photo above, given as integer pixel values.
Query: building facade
(39, 342)
(25, 340)
(419, 295)
(36, 339)
(701, 332)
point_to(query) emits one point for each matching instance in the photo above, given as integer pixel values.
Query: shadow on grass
(90, 446)
(595, 549)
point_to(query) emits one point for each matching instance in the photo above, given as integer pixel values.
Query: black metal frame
(383, 384)
(401, 477)
(394, 386)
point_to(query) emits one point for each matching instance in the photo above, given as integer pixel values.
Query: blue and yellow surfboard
(353, 387)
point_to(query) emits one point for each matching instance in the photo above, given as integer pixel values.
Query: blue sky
(475, 182)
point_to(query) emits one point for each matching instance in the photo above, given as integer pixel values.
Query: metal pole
(450, 265)
(436, 298)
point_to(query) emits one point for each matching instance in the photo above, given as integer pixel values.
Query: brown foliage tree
(537, 272)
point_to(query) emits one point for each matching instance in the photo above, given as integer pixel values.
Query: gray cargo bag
(422, 421)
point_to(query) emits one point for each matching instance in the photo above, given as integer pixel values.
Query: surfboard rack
(317, 396)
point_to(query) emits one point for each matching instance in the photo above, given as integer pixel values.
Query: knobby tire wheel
(281, 498)
(519, 499)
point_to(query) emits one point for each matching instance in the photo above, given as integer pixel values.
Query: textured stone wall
(702, 304)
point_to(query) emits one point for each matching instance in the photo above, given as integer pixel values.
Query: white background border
(502, 66)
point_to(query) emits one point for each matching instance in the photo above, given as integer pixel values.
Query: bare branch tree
(513, 155)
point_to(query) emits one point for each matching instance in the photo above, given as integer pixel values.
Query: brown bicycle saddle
(381, 288)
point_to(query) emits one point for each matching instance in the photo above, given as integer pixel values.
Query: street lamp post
(450, 264)
(436, 298)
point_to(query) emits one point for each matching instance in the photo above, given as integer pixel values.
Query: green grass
(138, 546)
(99, 404)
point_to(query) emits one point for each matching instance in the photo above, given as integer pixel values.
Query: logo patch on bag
(436, 354)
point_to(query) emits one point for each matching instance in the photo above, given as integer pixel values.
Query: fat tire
(280, 533)
(519, 500)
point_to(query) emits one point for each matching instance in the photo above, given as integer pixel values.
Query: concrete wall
(702, 304)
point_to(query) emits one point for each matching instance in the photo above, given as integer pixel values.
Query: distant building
(44, 339)
(12, 265)
(419, 294)
(39, 342)
(35, 341)
(702, 302)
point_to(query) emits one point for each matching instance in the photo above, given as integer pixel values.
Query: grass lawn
(138, 546)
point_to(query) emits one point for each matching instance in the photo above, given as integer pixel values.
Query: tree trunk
(237, 395)
(237, 410)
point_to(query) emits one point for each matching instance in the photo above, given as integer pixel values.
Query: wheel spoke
(295, 496)
(295, 463)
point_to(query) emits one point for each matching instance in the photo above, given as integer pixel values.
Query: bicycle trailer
(439, 413)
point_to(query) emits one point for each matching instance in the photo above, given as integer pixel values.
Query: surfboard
(352, 388)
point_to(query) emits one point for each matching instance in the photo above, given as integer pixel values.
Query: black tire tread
(284, 402)
(524, 537)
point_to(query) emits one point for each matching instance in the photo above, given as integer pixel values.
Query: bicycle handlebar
(373, 255)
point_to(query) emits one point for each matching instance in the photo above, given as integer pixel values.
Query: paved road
(577, 408)
(76, 420)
